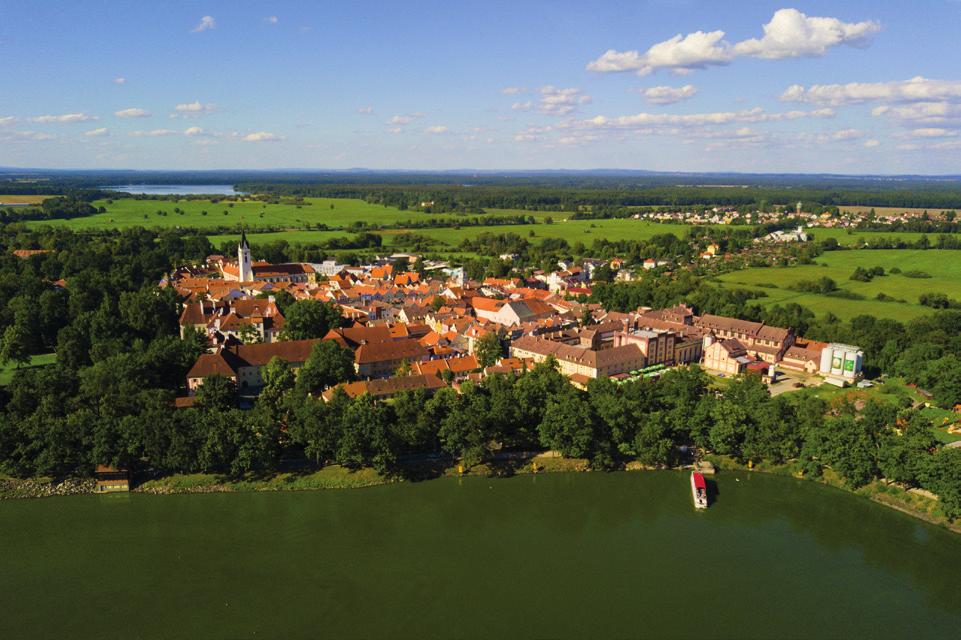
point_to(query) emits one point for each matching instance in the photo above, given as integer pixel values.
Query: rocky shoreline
(13, 488)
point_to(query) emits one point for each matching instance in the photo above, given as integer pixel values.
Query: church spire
(245, 271)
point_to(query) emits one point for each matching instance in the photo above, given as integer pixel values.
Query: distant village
(850, 218)
(411, 332)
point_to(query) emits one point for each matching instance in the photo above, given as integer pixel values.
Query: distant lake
(175, 189)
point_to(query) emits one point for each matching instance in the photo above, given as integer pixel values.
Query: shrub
(821, 285)
(935, 300)
(847, 295)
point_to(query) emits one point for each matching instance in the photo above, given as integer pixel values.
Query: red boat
(699, 490)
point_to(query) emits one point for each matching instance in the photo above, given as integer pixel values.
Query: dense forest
(451, 198)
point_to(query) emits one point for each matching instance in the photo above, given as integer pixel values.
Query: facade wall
(194, 383)
(688, 352)
(716, 359)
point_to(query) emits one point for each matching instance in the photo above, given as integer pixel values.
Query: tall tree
(567, 426)
(328, 364)
(306, 319)
(15, 346)
(488, 349)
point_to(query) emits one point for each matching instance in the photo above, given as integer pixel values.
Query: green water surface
(562, 555)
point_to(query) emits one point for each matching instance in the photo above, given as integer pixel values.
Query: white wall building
(841, 361)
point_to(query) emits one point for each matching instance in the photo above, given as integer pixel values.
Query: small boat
(699, 490)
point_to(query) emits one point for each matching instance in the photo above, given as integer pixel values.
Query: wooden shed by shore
(111, 480)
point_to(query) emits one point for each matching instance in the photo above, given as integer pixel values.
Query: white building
(841, 362)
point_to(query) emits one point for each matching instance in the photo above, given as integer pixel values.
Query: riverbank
(917, 504)
(337, 477)
(329, 477)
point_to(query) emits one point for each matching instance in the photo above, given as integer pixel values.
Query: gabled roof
(579, 355)
(486, 304)
(463, 364)
(193, 314)
(257, 355)
(722, 323)
(733, 347)
(406, 349)
(386, 387)
(211, 364)
(353, 337)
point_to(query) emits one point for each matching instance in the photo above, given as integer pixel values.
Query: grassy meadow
(851, 238)
(337, 214)
(572, 231)
(7, 370)
(124, 213)
(943, 266)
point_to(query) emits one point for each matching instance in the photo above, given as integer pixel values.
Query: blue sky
(689, 85)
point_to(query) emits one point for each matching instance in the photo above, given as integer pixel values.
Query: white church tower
(245, 270)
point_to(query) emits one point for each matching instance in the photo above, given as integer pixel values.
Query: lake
(556, 555)
(175, 189)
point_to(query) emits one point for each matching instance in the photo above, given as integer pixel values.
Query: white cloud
(913, 90)
(406, 118)
(694, 51)
(846, 134)
(513, 91)
(922, 113)
(194, 131)
(365, 111)
(792, 34)
(526, 136)
(153, 133)
(932, 132)
(872, 143)
(789, 34)
(120, 80)
(7, 120)
(261, 136)
(66, 117)
(132, 113)
(669, 95)
(195, 108)
(522, 106)
(206, 23)
(26, 136)
(557, 101)
(436, 130)
(757, 114)
(97, 133)
(942, 145)
(271, 20)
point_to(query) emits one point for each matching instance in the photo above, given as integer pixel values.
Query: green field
(334, 212)
(572, 231)
(944, 267)
(848, 238)
(6, 371)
